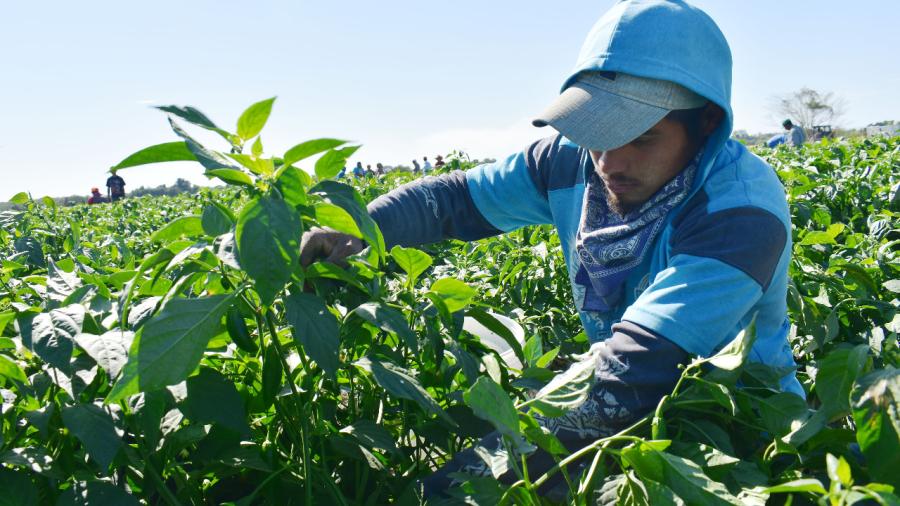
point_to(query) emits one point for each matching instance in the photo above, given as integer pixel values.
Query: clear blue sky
(403, 78)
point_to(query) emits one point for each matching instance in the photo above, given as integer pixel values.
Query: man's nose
(613, 162)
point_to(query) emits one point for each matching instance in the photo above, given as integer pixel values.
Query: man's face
(634, 172)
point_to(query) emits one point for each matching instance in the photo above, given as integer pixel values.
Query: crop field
(172, 350)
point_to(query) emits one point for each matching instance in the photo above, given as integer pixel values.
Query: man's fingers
(313, 245)
(329, 245)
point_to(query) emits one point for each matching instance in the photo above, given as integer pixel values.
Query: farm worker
(795, 136)
(416, 167)
(379, 169)
(115, 186)
(426, 165)
(674, 235)
(438, 162)
(358, 171)
(95, 197)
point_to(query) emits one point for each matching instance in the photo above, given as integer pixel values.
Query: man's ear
(712, 117)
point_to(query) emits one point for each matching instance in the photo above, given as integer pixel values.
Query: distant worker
(438, 162)
(96, 197)
(369, 171)
(416, 168)
(795, 136)
(358, 171)
(342, 173)
(379, 169)
(115, 187)
(426, 167)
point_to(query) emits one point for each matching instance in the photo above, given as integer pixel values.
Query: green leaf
(258, 166)
(414, 262)
(837, 372)
(533, 350)
(96, 430)
(494, 331)
(11, 370)
(331, 163)
(20, 198)
(272, 374)
(892, 285)
(52, 334)
(268, 240)
(735, 354)
(211, 398)
(819, 237)
(371, 435)
(208, 159)
(310, 148)
(541, 436)
(190, 115)
(184, 226)
(683, 476)
(5, 318)
(811, 485)
(401, 383)
(26, 494)
(455, 294)
(838, 470)
(109, 350)
(232, 176)
(875, 398)
(335, 217)
(489, 402)
(781, 411)
(96, 493)
(169, 346)
(166, 152)
(315, 328)
(215, 221)
(257, 148)
(566, 390)
(291, 182)
(388, 319)
(60, 284)
(254, 118)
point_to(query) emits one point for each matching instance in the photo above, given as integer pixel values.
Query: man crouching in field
(674, 235)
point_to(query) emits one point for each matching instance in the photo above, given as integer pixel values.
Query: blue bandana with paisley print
(610, 246)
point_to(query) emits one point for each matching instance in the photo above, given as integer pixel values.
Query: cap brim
(598, 120)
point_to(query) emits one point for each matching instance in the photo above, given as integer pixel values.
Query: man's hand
(328, 245)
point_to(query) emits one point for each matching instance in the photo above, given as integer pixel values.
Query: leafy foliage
(172, 350)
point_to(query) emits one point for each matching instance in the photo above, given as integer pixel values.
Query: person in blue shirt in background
(794, 136)
(358, 171)
(675, 236)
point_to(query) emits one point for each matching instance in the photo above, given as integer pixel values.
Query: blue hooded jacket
(723, 254)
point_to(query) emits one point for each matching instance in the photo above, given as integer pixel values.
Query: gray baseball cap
(605, 110)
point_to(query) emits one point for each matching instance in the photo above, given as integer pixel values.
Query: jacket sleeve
(429, 210)
(487, 200)
(633, 369)
(721, 264)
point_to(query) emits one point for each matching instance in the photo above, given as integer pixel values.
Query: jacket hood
(669, 40)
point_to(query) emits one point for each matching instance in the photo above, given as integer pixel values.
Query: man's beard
(619, 207)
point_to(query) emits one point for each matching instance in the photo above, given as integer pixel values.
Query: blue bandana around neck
(610, 246)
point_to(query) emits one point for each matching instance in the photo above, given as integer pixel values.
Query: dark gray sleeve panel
(747, 238)
(429, 210)
(553, 165)
(636, 368)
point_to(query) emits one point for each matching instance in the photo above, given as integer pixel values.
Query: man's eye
(641, 141)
